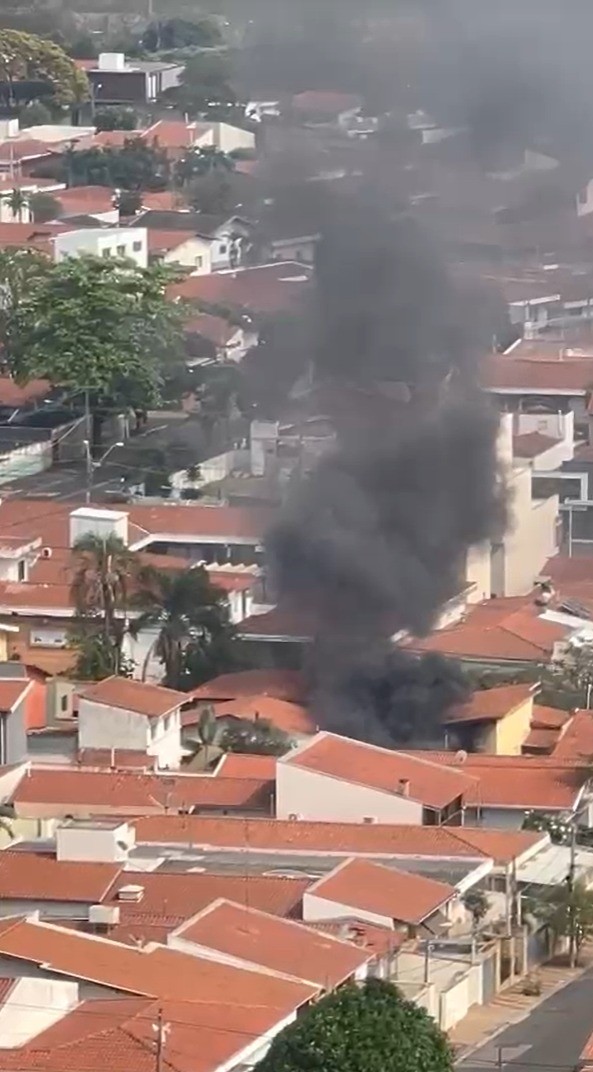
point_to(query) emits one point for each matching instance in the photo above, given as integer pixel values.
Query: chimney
(403, 787)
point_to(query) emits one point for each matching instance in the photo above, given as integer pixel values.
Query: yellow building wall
(511, 731)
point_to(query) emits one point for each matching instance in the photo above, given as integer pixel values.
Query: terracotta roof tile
(264, 289)
(129, 792)
(215, 328)
(286, 716)
(488, 705)
(364, 886)
(277, 835)
(239, 765)
(139, 697)
(27, 876)
(167, 241)
(279, 944)
(153, 972)
(506, 630)
(377, 940)
(14, 394)
(567, 376)
(380, 768)
(523, 782)
(530, 444)
(503, 846)
(576, 742)
(549, 718)
(13, 691)
(183, 894)
(282, 684)
(322, 101)
(540, 740)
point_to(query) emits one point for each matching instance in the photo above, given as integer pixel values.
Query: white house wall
(34, 1006)
(314, 796)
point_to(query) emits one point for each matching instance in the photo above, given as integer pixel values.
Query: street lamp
(91, 465)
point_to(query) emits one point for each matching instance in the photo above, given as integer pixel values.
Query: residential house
(180, 136)
(554, 386)
(182, 248)
(27, 187)
(132, 715)
(116, 242)
(497, 720)
(385, 896)
(98, 202)
(226, 1013)
(282, 684)
(332, 778)
(116, 80)
(15, 688)
(228, 235)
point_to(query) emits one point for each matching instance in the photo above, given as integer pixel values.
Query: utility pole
(88, 444)
(572, 936)
(161, 1030)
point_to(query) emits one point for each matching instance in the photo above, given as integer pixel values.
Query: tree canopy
(368, 1028)
(99, 325)
(26, 58)
(204, 83)
(115, 119)
(567, 909)
(259, 738)
(20, 269)
(136, 166)
(178, 33)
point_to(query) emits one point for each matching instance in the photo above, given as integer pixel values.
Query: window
(22, 570)
(199, 262)
(137, 247)
(106, 252)
(222, 248)
(64, 704)
(121, 251)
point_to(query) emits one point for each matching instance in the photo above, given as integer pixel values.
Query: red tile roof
(565, 377)
(182, 894)
(15, 149)
(167, 241)
(26, 876)
(369, 887)
(279, 944)
(503, 846)
(151, 701)
(239, 765)
(380, 768)
(175, 134)
(277, 835)
(266, 288)
(128, 792)
(522, 782)
(153, 972)
(489, 705)
(86, 200)
(282, 684)
(215, 328)
(500, 630)
(14, 394)
(548, 718)
(530, 444)
(377, 940)
(13, 691)
(540, 740)
(576, 742)
(165, 201)
(286, 716)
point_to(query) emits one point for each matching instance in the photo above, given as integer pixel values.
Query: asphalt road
(550, 1039)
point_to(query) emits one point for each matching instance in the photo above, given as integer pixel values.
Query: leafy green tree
(476, 903)
(102, 570)
(44, 207)
(35, 114)
(368, 1028)
(17, 202)
(136, 166)
(20, 271)
(204, 83)
(201, 162)
(549, 823)
(26, 58)
(567, 910)
(115, 119)
(191, 617)
(97, 657)
(96, 325)
(83, 47)
(177, 33)
(260, 738)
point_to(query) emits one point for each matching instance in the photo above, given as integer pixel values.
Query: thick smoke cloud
(374, 541)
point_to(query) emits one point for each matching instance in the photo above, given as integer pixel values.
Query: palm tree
(567, 909)
(17, 202)
(190, 614)
(207, 728)
(102, 572)
(200, 163)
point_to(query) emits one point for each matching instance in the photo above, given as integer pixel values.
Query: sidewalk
(511, 1005)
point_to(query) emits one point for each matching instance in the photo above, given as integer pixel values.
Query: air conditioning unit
(104, 915)
(46, 552)
(294, 816)
(369, 819)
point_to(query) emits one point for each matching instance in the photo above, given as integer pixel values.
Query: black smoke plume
(373, 542)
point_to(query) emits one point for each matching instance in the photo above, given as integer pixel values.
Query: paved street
(549, 1040)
